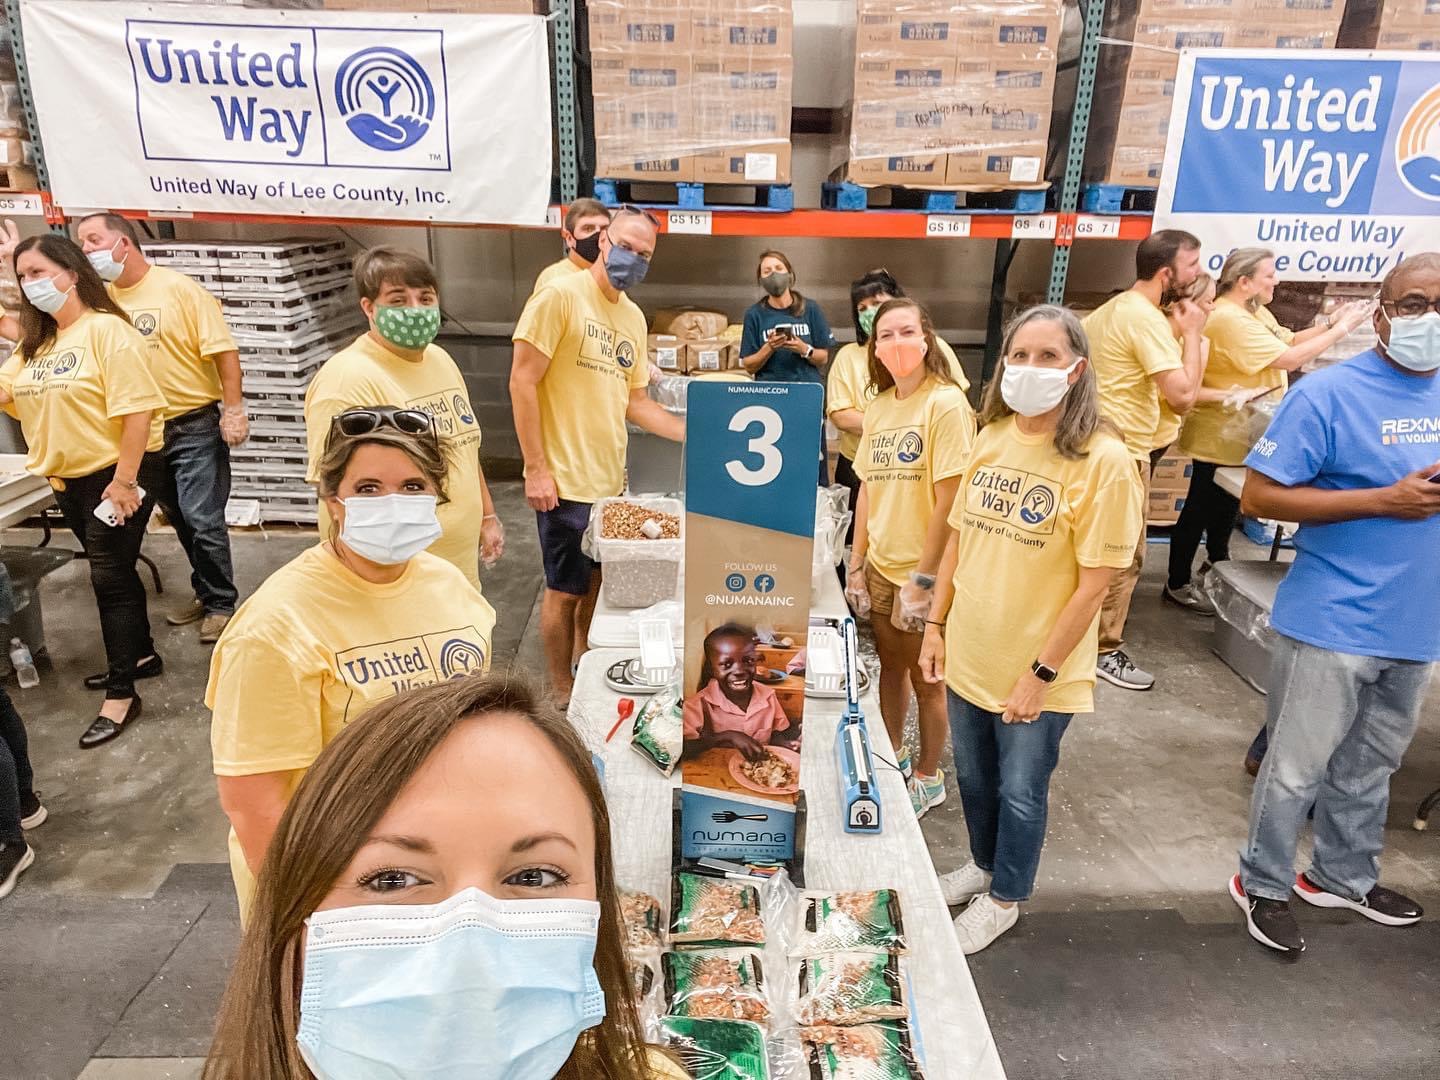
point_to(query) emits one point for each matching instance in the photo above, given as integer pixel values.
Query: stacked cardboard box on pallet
(439, 7)
(290, 307)
(692, 90)
(953, 94)
(1391, 24)
(1135, 85)
(17, 155)
(1168, 488)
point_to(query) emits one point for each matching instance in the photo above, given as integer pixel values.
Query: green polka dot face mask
(407, 327)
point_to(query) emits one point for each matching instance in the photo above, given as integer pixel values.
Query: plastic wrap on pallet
(1244, 613)
(692, 90)
(953, 94)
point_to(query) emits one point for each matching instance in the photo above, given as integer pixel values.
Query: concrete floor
(1130, 960)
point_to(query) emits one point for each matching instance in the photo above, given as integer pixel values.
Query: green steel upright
(562, 18)
(1094, 12)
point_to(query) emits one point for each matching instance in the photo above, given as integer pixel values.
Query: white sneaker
(959, 886)
(982, 922)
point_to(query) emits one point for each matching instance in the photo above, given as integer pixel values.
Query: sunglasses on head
(631, 208)
(353, 423)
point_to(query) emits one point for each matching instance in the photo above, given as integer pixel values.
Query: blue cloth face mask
(624, 268)
(44, 295)
(1415, 342)
(472, 988)
(104, 262)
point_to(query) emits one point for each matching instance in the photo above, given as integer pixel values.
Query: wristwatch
(925, 581)
(1044, 672)
(809, 351)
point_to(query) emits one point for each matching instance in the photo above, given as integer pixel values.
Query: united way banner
(1331, 158)
(338, 114)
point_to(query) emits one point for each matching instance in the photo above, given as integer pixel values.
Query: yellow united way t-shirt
(560, 268)
(848, 386)
(597, 356)
(365, 372)
(317, 645)
(184, 331)
(1130, 343)
(71, 397)
(1028, 520)
(1243, 345)
(906, 449)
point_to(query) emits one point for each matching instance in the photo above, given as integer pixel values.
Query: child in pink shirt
(730, 709)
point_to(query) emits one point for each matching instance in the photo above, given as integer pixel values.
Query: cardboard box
(1172, 472)
(1035, 75)
(906, 170)
(1030, 30)
(651, 24)
(616, 74)
(483, 7)
(1164, 507)
(720, 74)
(689, 323)
(900, 27)
(666, 352)
(616, 165)
(711, 354)
(752, 163)
(1132, 166)
(747, 29)
(1006, 165)
(899, 74)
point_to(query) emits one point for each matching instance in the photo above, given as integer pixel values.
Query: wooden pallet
(18, 178)
(687, 195)
(844, 195)
(1117, 199)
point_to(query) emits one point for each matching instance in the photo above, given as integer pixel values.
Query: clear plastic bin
(638, 573)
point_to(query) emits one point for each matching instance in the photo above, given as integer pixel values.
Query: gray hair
(1242, 263)
(1080, 418)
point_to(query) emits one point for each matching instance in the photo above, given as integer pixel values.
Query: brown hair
(427, 454)
(583, 208)
(339, 802)
(38, 329)
(377, 267)
(1080, 419)
(935, 362)
(797, 302)
(115, 223)
(1192, 292)
(1242, 263)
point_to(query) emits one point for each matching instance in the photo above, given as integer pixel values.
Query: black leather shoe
(146, 669)
(104, 729)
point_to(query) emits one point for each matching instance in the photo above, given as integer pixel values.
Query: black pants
(16, 777)
(119, 593)
(1210, 510)
(845, 474)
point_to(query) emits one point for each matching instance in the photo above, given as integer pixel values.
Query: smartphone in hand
(106, 510)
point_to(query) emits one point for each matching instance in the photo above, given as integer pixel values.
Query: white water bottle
(24, 664)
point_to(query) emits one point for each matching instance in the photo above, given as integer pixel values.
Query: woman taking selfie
(1048, 511)
(80, 385)
(354, 620)
(917, 435)
(414, 921)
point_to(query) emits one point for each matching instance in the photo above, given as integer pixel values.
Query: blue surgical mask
(1415, 342)
(104, 262)
(44, 295)
(472, 988)
(624, 268)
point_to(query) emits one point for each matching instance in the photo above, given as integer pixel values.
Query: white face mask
(104, 262)
(1415, 342)
(389, 529)
(45, 295)
(1032, 391)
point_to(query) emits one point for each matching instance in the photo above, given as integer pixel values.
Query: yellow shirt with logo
(597, 356)
(71, 397)
(184, 331)
(560, 268)
(848, 386)
(907, 448)
(365, 372)
(317, 645)
(1243, 346)
(1130, 343)
(1028, 520)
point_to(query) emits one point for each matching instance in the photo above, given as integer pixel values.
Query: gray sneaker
(1119, 670)
(1191, 599)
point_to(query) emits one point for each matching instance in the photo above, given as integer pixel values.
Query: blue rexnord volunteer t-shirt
(1369, 586)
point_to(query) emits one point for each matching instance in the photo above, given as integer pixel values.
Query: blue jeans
(1339, 725)
(1003, 771)
(197, 464)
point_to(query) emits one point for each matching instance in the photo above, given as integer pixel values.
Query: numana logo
(386, 97)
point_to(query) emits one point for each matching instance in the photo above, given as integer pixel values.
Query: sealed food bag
(850, 988)
(866, 921)
(726, 984)
(659, 733)
(716, 1049)
(863, 1052)
(711, 912)
(645, 983)
(640, 916)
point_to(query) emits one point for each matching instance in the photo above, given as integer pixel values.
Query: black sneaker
(1269, 921)
(1385, 906)
(32, 813)
(15, 859)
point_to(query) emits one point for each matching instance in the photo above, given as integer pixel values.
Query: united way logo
(459, 658)
(385, 97)
(462, 409)
(1037, 505)
(911, 447)
(1417, 146)
(625, 353)
(65, 364)
(145, 323)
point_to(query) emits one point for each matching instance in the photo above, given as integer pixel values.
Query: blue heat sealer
(859, 791)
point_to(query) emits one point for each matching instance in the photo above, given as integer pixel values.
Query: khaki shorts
(884, 597)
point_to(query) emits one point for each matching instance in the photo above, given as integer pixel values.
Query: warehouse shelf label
(957, 225)
(554, 217)
(27, 203)
(1033, 227)
(696, 222)
(1094, 227)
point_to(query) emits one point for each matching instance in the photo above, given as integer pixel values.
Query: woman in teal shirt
(786, 337)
